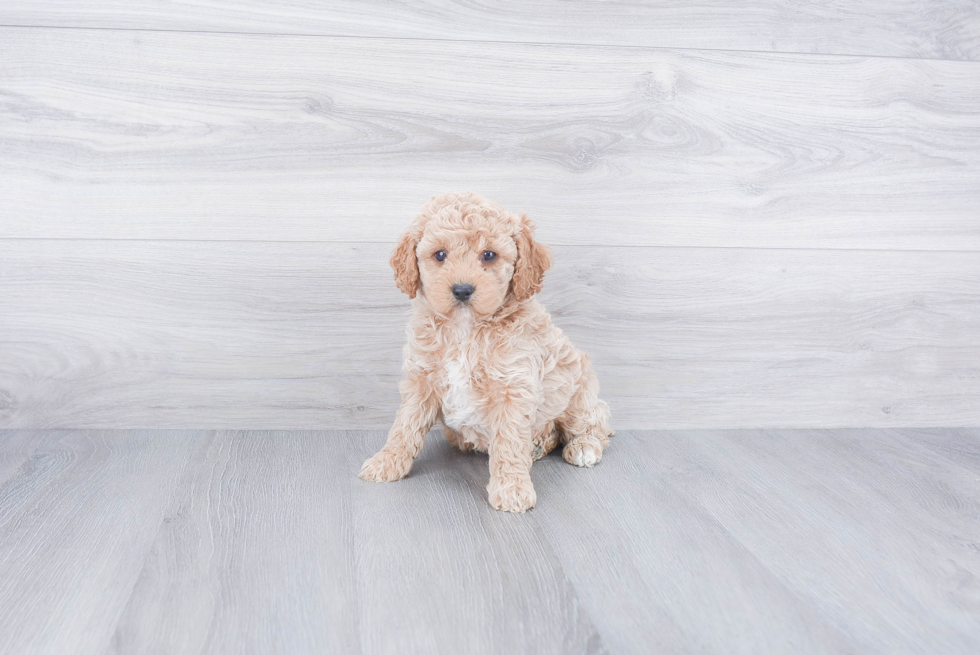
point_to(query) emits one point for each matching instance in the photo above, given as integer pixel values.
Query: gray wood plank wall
(195, 219)
(947, 29)
(204, 136)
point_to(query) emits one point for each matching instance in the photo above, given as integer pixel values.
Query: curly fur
(494, 370)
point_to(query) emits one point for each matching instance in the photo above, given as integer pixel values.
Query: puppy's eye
(489, 255)
(439, 255)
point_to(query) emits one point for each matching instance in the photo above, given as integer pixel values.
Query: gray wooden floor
(835, 541)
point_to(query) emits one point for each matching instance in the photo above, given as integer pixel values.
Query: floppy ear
(533, 259)
(405, 264)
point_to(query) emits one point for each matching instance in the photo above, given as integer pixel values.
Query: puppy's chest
(462, 373)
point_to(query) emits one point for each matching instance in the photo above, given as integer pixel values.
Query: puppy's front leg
(418, 411)
(510, 487)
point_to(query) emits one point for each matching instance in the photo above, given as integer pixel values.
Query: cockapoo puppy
(483, 356)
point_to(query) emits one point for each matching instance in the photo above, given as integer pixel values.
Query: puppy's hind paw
(582, 453)
(386, 467)
(514, 497)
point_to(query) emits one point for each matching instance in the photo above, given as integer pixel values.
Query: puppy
(483, 356)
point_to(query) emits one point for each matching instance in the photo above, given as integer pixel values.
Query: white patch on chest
(459, 408)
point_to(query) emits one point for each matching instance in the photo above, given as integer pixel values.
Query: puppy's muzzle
(462, 292)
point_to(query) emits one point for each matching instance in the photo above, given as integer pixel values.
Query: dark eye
(489, 255)
(439, 255)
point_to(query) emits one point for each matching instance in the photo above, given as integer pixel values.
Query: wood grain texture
(254, 555)
(662, 575)
(901, 28)
(867, 528)
(961, 446)
(76, 523)
(273, 545)
(434, 547)
(761, 542)
(151, 135)
(288, 335)
(16, 449)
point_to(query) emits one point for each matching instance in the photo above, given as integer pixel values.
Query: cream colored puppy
(482, 354)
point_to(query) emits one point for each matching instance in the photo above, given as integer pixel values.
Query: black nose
(462, 291)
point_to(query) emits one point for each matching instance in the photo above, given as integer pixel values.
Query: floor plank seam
(551, 242)
(484, 41)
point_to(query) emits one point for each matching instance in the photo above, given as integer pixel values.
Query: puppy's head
(465, 252)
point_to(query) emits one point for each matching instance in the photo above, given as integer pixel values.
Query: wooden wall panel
(895, 28)
(148, 135)
(254, 335)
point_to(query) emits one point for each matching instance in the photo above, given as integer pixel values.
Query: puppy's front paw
(582, 453)
(386, 467)
(512, 496)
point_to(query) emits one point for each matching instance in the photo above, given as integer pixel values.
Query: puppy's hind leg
(585, 422)
(544, 440)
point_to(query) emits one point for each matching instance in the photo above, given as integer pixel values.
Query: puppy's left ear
(405, 264)
(533, 259)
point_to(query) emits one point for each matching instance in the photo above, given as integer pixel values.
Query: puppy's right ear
(406, 265)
